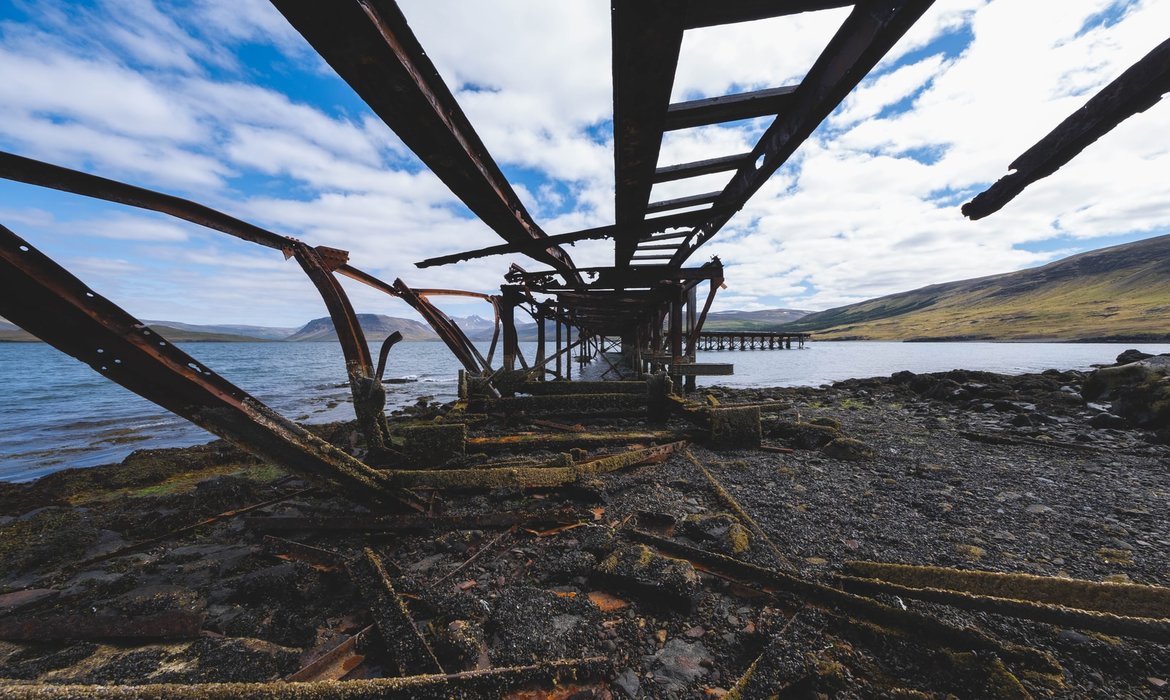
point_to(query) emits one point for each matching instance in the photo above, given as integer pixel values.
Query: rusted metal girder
(448, 331)
(647, 37)
(370, 45)
(46, 300)
(641, 230)
(1140, 87)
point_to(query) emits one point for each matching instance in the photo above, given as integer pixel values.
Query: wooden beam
(701, 167)
(728, 108)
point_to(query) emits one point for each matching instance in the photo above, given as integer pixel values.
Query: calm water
(58, 413)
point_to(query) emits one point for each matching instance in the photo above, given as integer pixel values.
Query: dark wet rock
(1138, 392)
(1107, 420)
(229, 660)
(678, 664)
(529, 625)
(657, 579)
(570, 564)
(157, 599)
(849, 449)
(46, 536)
(1132, 355)
(802, 436)
(903, 377)
(598, 539)
(627, 682)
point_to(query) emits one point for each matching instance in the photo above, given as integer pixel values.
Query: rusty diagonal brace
(45, 299)
(369, 397)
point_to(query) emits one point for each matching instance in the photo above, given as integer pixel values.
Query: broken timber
(408, 523)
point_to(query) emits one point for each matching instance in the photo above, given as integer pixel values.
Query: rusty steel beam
(449, 332)
(640, 229)
(728, 108)
(371, 46)
(870, 31)
(647, 37)
(683, 171)
(35, 172)
(1140, 87)
(693, 200)
(318, 264)
(46, 300)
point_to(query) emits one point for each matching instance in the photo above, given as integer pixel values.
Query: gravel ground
(967, 470)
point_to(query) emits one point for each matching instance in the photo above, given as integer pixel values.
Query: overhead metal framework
(646, 298)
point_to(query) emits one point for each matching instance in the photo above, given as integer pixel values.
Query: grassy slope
(1113, 293)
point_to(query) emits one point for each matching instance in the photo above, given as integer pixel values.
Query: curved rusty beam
(369, 396)
(46, 300)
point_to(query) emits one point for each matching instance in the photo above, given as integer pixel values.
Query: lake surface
(58, 413)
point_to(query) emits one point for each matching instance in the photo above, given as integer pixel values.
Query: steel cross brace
(45, 299)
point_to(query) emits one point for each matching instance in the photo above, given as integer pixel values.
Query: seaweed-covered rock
(849, 449)
(723, 529)
(639, 570)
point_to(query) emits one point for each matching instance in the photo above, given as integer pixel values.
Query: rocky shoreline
(694, 571)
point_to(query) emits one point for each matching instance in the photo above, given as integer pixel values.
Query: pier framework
(750, 340)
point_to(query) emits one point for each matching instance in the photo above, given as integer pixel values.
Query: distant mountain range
(1118, 293)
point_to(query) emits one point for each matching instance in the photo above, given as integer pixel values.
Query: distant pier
(750, 340)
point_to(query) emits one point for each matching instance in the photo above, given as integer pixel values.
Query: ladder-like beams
(728, 108)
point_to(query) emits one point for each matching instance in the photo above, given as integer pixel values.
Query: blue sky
(220, 101)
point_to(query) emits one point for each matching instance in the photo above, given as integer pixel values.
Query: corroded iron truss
(647, 298)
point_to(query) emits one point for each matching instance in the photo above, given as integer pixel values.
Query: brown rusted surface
(336, 663)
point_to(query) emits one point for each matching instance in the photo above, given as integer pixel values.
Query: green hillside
(1117, 293)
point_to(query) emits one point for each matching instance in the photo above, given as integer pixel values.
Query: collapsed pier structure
(649, 304)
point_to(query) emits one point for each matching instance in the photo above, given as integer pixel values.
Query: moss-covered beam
(409, 652)
(1130, 599)
(568, 403)
(1141, 627)
(921, 626)
(528, 477)
(407, 523)
(460, 686)
(564, 441)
